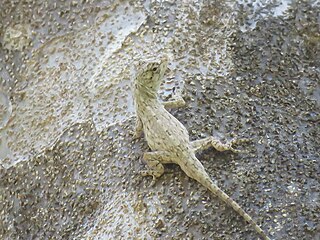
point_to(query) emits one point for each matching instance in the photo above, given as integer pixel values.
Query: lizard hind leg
(155, 161)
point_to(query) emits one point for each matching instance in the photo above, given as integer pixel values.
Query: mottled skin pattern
(169, 139)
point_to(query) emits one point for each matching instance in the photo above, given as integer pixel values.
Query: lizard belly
(164, 132)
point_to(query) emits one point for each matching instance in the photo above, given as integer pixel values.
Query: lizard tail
(229, 201)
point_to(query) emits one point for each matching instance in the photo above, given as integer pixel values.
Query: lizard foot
(149, 173)
(229, 144)
(135, 135)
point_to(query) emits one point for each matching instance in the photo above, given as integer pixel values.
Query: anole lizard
(169, 139)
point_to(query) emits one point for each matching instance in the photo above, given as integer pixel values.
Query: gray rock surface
(69, 168)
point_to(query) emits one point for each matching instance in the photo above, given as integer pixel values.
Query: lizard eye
(154, 69)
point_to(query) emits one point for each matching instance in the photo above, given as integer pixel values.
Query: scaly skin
(169, 139)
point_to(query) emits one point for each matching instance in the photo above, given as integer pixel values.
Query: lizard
(168, 138)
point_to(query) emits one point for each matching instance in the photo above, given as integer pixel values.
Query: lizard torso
(169, 139)
(163, 132)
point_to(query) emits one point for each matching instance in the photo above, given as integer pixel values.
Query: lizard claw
(149, 173)
(237, 141)
(136, 135)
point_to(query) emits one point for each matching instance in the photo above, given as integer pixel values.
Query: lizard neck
(144, 96)
(146, 99)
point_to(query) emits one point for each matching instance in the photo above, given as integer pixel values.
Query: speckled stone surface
(69, 167)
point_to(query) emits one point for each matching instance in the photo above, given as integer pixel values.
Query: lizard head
(149, 76)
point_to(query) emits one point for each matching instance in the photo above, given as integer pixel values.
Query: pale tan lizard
(169, 139)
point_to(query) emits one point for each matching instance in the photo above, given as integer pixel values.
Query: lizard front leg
(138, 128)
(174, 103)
(205, 143)
(155, 161)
